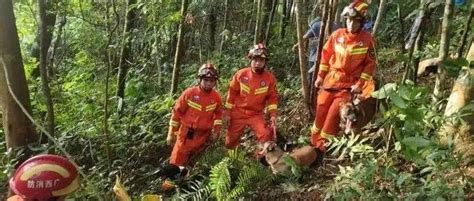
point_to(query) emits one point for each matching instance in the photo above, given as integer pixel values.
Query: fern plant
(220, 180)
(198, 190)
(231, 178)
(351, 145)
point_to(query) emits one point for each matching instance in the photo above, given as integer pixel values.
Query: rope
(23, 109)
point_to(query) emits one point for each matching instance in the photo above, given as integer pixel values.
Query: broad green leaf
(398, 101)
(385, 91)
(416, 141)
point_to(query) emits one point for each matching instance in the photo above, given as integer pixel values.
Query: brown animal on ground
(304, 156)
(356, 114)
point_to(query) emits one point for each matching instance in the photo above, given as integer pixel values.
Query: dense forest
(95, 81)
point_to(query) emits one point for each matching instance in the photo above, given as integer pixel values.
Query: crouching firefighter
(346, 68)
(195, 123)
(252, 89)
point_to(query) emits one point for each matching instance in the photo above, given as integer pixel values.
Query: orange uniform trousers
(238, 121)
(326, 123)
(184, 147)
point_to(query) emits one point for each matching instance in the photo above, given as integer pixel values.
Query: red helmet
(357, 9)
(207, 71)
(259, 50)
(45, 176)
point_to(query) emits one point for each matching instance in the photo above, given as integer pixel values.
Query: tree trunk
(56, 43)
(179, 49)
(258, 22)
(157, 55)
(301, 56)
(416, 40)
(461, 132)
(320, 48)
(18, 128)
(380, 14)
(443, 52)
(467, 28)
(224, 27)
(332, 12)
(212, 29)
(125, 52)
(401, 27)
(270, 21)
(46, 34)
(286, 11)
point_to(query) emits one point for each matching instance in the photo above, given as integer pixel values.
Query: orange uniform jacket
(347, 59)
(250, 92)
(198, 109)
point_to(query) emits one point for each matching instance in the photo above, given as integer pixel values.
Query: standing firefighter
(196, 120)
(251, 90)
(347, 66)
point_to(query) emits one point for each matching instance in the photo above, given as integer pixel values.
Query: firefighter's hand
(318, 82)
(171, 138)
(355, 89)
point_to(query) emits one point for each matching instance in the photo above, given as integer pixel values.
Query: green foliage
(423, 175)
(413, 167)
(351, 145)
(198, 191)
(231, 178)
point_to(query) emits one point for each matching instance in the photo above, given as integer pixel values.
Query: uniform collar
(351, 36)
(202, 90)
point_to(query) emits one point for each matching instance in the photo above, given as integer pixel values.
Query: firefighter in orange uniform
(196, 120)
(251, 90)
(346, 68)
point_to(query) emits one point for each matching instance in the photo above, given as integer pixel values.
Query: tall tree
(46, 27)
(301, 56)
(179, 47)
(258, 22)
(325, 16)
(443, 52)
(270, 20)
(125, 52)
(18, 128)
(225, 27)
(465, 32)
(284, 18)
(380, 14)
(271, 15)
(415, 40)
(211, 26)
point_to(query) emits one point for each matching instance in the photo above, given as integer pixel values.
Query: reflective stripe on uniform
(365, 76)
(323, 67)
(217, 122)
(194, 105)
(326, 135)
(261, 90)
(174, 123)
(361, 6)
(228, 105)
(211, 107)
(244, 87)
(272, 107)
(357, 51)
(314, 129)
